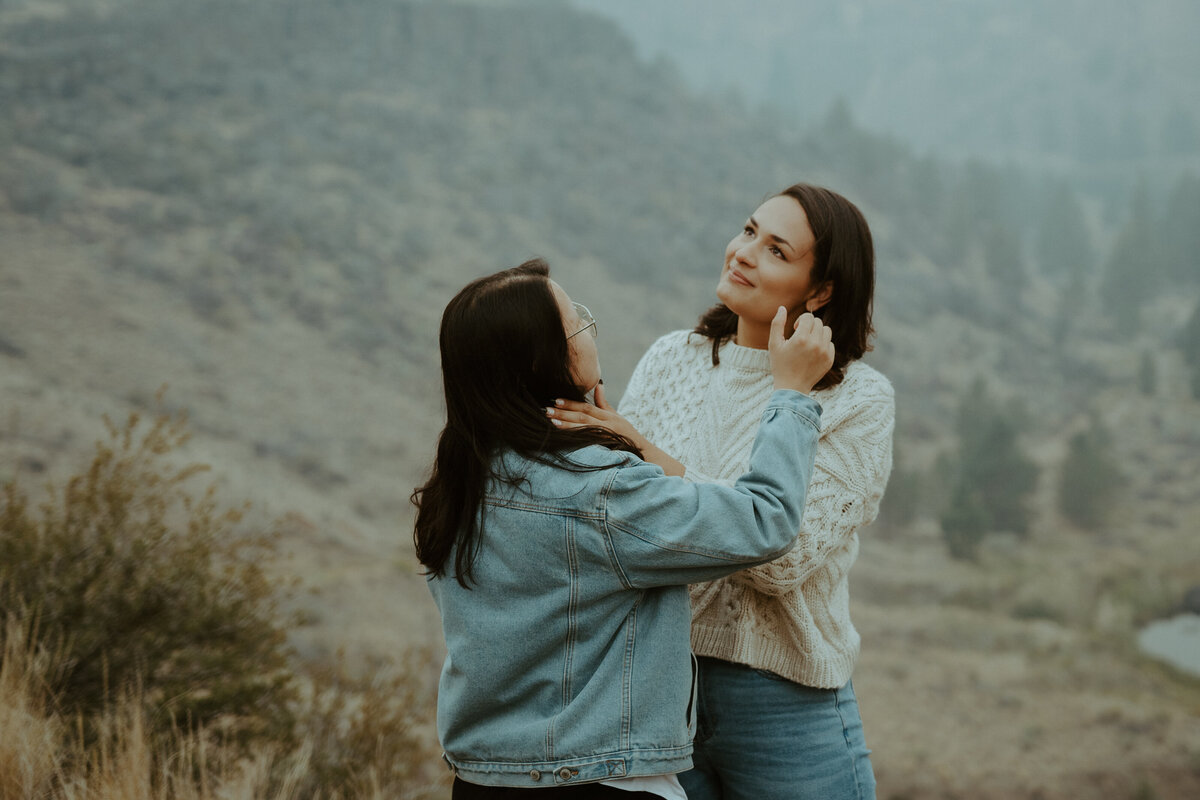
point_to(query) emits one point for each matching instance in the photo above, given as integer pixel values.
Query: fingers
(562, 419)
(800, 361)
(806, 323)
(573, 405)
(570, 414)
(809, 326)
(776, 336)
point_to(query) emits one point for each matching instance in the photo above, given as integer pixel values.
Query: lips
(738, 278)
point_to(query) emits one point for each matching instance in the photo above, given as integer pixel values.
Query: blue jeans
(762, 737)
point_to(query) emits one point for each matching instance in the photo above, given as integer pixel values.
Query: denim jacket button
(565, 773)
(535, 775)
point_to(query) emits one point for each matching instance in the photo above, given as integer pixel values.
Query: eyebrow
(773, 237)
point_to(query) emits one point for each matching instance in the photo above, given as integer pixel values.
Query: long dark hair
(505, 358)
(844, 255)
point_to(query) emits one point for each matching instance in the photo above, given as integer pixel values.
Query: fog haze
(266, 205)
(1067, 84)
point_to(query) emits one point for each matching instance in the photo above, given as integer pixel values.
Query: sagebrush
(145, 652)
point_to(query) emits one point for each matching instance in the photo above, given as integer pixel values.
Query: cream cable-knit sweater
(791, 616)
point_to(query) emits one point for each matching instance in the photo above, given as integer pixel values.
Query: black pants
(583, 791)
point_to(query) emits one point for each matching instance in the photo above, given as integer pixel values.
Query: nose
(745, 254)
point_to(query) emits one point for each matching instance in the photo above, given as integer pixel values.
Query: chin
(723, 292)
(728, 301)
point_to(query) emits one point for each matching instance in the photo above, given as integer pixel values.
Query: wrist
(794, 386)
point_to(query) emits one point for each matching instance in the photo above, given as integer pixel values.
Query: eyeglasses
(589, 322)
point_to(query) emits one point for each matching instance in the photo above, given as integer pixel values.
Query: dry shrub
(143, 656)
(369, 729)
(144, 590)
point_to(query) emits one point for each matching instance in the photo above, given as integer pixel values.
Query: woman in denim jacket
(559, 559)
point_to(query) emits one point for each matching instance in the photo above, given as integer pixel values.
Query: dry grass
(123, 595)
(42, 754)
(29, 735)
(1018, 677)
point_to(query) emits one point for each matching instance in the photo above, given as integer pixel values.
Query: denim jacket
(568, 659)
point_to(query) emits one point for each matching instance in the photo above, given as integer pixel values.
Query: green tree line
(331, 153)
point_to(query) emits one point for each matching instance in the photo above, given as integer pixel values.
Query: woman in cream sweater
(776, 646)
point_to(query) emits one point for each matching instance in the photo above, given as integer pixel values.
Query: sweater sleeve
(854, 460)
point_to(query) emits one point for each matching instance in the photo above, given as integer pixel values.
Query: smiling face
(585, 356)
(768, 265)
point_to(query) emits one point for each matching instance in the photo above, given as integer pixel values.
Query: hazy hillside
(1062, 84)
(265, 205)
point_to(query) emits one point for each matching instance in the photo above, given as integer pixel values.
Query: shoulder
(596, 471)
(671, 358)
(564, 481)
(864, 381)
(572, 466)
(676, 343)
(599, 457)
(865, 394)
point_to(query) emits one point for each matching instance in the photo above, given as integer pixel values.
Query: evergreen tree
(1004, 264)
(1179, 233)
(1133, 270)
(976, 204)
(993, 477)
(1189, 343)
(1189, 339)
(1064, 250)
(839, 121)
(1148, 375)
(1089, 477)
(1072, 301)
(926, 185)
(1064, 243)
(903, 497)
(964, 523)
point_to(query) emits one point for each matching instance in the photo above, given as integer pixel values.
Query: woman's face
(585, 357)
(768, 265)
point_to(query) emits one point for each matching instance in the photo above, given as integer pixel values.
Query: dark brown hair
(844, 255)
(505, 359)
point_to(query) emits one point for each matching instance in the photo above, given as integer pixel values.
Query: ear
(819, 297)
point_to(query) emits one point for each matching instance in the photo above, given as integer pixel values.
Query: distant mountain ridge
(1057, 83)
(344, 166)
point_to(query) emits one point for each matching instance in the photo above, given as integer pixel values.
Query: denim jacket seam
(801, 413)
(605, 525)
(621, 752)
(572, 629)
(627, 677)
(541, 508)
(670, 547)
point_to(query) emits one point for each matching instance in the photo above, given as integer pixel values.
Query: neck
(752, 335)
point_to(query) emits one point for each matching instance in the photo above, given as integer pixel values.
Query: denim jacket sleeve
(663, 531)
